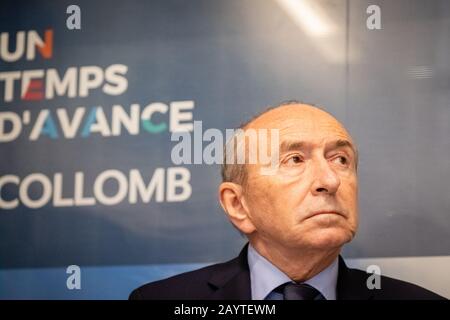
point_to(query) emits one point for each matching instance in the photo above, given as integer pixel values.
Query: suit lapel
(351, 285)
(232, 279)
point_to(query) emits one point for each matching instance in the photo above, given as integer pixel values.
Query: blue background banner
(86, 118)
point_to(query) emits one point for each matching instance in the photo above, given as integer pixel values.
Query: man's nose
(326, 180)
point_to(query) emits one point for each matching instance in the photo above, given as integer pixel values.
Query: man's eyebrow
(290, 145)
(343, 143)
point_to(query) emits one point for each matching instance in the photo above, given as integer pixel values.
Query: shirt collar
(265, 277)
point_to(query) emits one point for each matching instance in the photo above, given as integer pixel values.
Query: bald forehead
(283, 115)
(299, 121)
(298, 124)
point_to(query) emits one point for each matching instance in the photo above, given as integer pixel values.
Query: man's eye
(341, 160)
(294, 160)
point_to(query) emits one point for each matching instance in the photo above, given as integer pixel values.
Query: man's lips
(321, 212)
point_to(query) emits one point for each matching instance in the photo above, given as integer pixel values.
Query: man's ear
(233, 203)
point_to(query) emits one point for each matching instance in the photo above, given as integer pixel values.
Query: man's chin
(328, 238)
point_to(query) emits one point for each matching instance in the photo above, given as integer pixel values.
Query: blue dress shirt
(265, 277)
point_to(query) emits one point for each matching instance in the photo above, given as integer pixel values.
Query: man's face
(311, 200)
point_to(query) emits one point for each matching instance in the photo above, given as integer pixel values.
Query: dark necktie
(302, 291)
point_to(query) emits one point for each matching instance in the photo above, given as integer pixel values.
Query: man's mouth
(322, 212)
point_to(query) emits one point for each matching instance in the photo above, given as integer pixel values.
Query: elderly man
(296, 220)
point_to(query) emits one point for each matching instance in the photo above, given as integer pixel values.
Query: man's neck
(298, 264)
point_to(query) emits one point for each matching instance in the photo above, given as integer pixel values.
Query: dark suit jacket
(231, 280)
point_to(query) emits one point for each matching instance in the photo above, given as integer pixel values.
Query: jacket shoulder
(189, 285)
